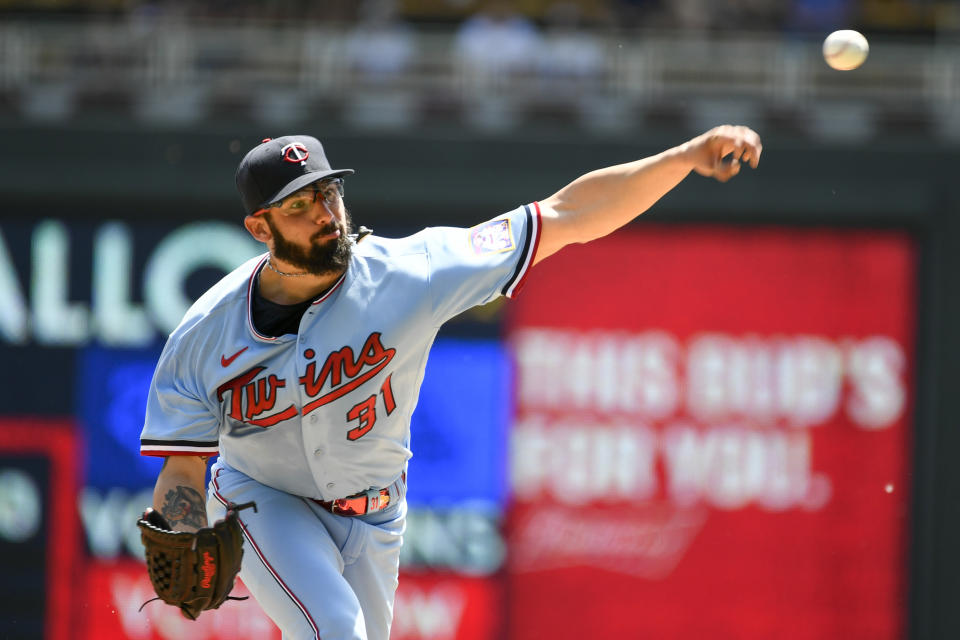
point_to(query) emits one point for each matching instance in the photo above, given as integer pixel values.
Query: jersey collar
(249, 300)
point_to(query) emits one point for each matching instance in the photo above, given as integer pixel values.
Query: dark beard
(332, 256)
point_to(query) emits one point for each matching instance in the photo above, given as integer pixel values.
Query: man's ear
(258, 228)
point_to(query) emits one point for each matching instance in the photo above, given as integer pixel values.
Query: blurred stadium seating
(173, 63)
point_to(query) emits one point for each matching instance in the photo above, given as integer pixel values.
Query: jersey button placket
(310, 422)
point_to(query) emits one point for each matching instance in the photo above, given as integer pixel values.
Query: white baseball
(845, 49)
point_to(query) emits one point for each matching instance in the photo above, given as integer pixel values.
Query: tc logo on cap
(295, 152)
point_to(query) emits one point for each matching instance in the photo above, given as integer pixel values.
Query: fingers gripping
(748, 146)
(731, 146)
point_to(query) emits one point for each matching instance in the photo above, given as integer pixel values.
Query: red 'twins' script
(344, 372)
(251, 397)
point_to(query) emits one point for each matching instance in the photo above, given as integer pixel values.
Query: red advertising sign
(427, 607)
(39, 526)
(712, 436)
(442, 606)
(116, 590)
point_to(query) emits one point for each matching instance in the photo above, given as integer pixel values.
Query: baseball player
(301, 368)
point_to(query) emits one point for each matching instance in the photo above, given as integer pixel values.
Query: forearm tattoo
(184, 505)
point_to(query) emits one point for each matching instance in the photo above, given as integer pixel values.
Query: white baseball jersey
(326, 413)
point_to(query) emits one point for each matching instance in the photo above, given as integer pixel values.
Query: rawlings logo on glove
(193, 571)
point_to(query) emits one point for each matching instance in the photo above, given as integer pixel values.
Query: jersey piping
(263, 559)
(178, 448)
(528, 253)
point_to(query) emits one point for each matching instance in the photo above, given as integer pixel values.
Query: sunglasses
(330, 190)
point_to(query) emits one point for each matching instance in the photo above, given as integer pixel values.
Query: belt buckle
(376, 500)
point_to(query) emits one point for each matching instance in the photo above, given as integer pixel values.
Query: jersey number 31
(365, 412)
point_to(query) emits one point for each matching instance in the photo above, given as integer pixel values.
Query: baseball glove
(193, 571)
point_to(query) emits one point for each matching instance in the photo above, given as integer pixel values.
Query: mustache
(327, 230)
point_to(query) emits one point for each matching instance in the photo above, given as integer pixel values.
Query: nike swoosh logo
(225, 362)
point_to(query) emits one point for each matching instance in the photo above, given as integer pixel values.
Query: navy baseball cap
(277, 167)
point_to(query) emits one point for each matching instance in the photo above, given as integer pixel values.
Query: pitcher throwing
(301, 368)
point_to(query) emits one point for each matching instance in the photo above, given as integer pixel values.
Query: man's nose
(322, 214)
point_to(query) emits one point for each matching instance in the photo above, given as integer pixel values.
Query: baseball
(845, 49)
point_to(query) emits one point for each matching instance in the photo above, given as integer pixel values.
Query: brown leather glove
(193, 571)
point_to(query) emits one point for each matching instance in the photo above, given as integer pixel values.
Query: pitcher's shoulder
(380, 248)
(222, 299)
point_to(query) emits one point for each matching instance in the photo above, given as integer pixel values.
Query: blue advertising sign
(458, 431)
(459, 428)
(112, 386)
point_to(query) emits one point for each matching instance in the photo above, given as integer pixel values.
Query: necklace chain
(284, 273)
(363, 232)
